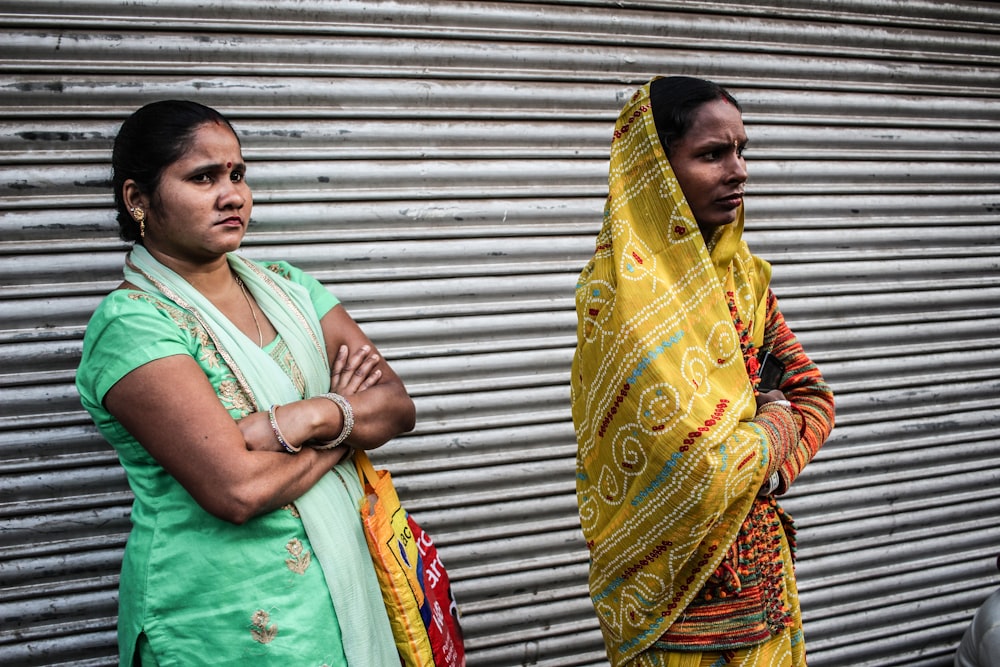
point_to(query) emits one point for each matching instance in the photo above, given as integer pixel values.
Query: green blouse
(203, 590)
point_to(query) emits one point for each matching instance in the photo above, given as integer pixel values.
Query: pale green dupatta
(330, 510)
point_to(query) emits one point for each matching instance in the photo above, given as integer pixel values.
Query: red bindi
(229, 165)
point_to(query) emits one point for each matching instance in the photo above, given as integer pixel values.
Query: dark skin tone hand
(769, 397)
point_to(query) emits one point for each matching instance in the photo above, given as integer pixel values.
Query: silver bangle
(278, 434)
(772, 482)
(348, 413)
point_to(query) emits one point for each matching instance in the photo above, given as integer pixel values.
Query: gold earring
(140, 216)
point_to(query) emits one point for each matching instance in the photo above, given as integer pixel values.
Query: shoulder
(982, 638)
(129, 329)
(127, 302)
(761, 267)
(281, 268)
(125, 309)
(755, 269)
(285, 270)
(988, 615)
(322, 298)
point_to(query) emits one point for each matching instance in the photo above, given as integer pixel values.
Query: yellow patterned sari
(669, 461)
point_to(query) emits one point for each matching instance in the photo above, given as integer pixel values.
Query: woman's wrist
(346, 421)
(299, 423)
(279, 435)
(778, 422)
(329, 457)
(782, 405)
(771, 484)
(324, 419)
(321, 422)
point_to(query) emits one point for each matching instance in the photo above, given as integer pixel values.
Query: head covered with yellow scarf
(668, 461)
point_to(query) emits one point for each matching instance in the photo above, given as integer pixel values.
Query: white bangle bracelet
(278, 434)
(348, 413)
(773, 481)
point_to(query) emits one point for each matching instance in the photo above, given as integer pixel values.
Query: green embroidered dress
(203, 590)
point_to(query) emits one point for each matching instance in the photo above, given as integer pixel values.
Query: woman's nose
(738, 168)
(232, 195)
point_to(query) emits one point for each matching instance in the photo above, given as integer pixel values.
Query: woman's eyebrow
(218, 166)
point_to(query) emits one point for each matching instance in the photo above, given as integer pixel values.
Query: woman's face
(202, 204)
(709, 166)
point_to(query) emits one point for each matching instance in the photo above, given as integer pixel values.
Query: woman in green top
(234, 392)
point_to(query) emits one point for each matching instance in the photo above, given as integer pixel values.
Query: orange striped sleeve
(803, 385)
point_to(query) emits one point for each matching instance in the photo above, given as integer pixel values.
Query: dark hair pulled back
(149, 141)
(675, 100)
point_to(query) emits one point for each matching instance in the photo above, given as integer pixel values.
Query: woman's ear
(132, 196)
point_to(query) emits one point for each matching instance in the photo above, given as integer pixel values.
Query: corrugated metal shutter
(442, 166)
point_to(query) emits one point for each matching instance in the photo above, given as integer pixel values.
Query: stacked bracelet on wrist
(348, 413)
(771, 484)
(278, 434)
(787, 405)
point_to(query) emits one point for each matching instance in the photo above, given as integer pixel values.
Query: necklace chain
(243, 288)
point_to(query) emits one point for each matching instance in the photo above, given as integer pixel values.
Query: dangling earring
(140, 216)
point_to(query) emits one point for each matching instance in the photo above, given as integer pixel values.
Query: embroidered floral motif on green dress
(230, 393)
(234, 398)
(278, 269)
(262, 630)
(300, 558)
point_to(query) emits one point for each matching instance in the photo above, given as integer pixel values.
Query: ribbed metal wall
(442, 166)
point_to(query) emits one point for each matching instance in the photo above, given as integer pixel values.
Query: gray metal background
(442, 166)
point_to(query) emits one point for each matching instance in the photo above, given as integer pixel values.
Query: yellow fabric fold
(668, 460)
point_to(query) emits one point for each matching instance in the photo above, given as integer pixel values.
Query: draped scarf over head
(668, 461)
(330, 509)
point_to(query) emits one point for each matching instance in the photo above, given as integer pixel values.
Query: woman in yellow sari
(681, 450)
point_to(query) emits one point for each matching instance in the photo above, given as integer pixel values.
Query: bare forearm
(272, 477)
(380, 414)
(267, 481)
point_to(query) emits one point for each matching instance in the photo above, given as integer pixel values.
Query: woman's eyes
(713, 155)
(207, 177)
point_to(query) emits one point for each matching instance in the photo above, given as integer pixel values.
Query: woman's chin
(709, 228)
